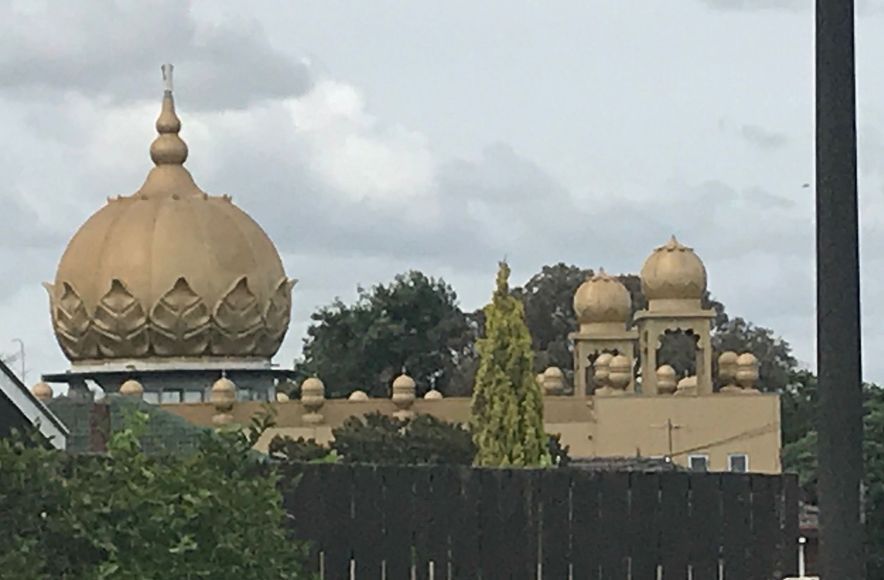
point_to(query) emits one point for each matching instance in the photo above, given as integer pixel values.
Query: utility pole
(670, 427)
(839, 421)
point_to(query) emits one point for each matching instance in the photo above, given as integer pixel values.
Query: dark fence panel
(453, 523)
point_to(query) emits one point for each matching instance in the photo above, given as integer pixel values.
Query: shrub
(284, 448)
(215, 513)
(382, 439)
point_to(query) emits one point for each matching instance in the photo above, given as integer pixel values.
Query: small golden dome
(170, 271)
(358, 396)
(602, 298)
(666, 371)
(282, 397)
(433, 395)
(42, 391)
(673, 272)
(223, 390)
(131, 388)
(312, 387)
(403, 382)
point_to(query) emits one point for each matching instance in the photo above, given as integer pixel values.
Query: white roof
(32, 408)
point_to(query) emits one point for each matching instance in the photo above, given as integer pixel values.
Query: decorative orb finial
(666, 380)
(132, 388)
(553, 381)
(313, 399)
(433, 395)
(747, 371)
(404, 392)
(43, 391)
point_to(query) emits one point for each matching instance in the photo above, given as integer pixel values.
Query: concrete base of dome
(176, 381)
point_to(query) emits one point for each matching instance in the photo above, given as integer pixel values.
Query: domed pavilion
(604, 312)
(172, 287)
(674, 282)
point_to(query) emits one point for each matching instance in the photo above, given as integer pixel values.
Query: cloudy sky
(369, 138)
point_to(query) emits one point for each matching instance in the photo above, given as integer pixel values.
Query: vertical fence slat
(555, 524)
(303, 502)
(705, 525)
(368, 522)
(337, 483)
(423, 519)
(515, 498)
(675, 529)
(492, 533)
(644, 522)
(789, 524)
(614, 509)
(466, 541)
(586, 529)
(437, 534)
(765, 524)
(398, 505)
(736, 524)
(446, 489)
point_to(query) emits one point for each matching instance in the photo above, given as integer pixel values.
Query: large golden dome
(170, 271)
(673, 272)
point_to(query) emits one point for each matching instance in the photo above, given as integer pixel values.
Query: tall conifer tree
(507, 408)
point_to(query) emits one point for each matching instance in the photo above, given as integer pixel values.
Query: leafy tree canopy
(414, 322)
(213, 513)
(799, 455)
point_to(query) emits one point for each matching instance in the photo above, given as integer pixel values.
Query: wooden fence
(441, 523)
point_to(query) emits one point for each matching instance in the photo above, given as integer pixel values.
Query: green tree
(507, 406)
(214, 513)
(548, 298)
(798, 405)
(799, 456)
(414, 322)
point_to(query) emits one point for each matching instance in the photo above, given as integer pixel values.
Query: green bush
(381, 439)
(284, 448)
(214, 513)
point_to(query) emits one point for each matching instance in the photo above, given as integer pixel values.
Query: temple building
(177, 297)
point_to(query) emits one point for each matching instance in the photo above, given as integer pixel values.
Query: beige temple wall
(714, 425)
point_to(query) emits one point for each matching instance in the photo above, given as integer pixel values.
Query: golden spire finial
(168, 148)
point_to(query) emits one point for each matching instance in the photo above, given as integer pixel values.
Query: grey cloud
(863, 7)
(766, 200)
(107, 49)
(738, 5)
(763, 138)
